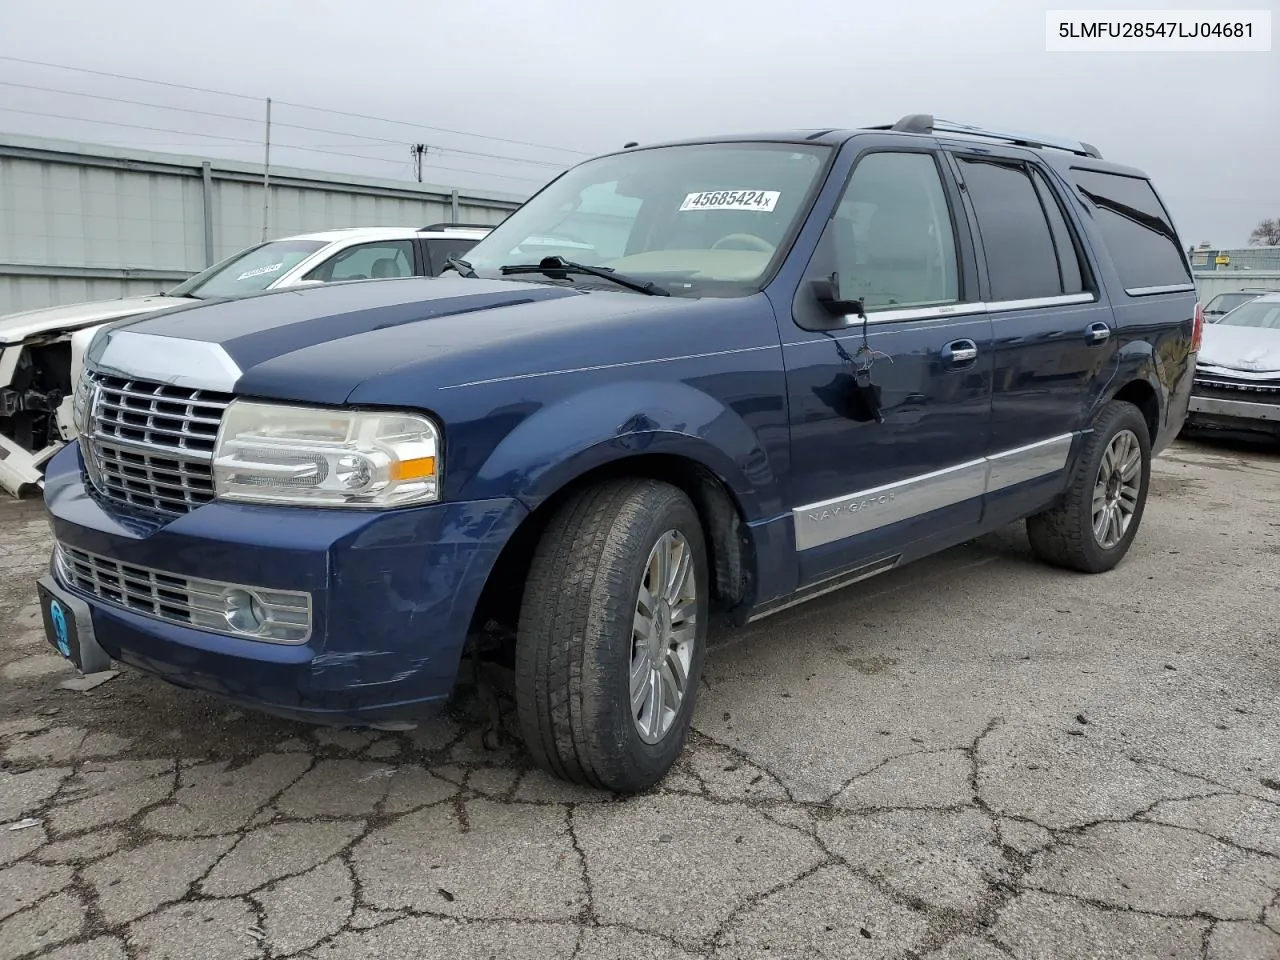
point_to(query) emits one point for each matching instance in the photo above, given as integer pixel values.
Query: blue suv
(707, 379)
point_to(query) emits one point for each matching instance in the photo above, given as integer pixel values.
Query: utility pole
(266, 176)
(418, 150)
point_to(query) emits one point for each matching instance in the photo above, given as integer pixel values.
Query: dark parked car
(738, 373)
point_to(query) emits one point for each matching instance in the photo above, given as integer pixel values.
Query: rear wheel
(612, 635)
(1093, 527)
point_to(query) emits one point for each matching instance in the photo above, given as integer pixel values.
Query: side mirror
(827, 292)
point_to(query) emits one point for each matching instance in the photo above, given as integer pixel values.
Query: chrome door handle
(1097, 333)
(960, 351)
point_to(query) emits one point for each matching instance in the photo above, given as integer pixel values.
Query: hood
(16, 327)
(319, 343)
(1248, 350)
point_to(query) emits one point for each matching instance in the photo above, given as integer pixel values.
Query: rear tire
(589, 641)
(1093, 527)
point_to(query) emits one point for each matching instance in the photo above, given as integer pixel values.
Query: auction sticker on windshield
(762, 200)
(270, 268)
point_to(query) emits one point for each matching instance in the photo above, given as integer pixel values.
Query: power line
(283, 146)
(258, 120)
(300, 106)
(132, 126)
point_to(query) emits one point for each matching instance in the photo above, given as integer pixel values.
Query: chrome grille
(183, 600)
(151, 444)
(1230, 388)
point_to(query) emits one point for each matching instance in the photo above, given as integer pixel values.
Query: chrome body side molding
(817, 524)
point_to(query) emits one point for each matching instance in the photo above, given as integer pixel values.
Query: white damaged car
(1237, 381)
(42, 351)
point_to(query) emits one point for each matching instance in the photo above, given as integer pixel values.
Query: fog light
(243, 610)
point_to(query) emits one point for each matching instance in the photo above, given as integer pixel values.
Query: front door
(889, 414)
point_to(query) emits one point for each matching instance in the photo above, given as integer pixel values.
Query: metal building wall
(85, 222)
(1210, 283)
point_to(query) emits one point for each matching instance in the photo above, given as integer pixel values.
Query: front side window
(247, 272)
(704, 219)
(367, 261)
(892, 236)
(1257, 313)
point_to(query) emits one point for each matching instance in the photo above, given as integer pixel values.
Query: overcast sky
(587, 77)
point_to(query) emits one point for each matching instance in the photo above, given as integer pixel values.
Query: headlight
(80, 403)
(271, 453)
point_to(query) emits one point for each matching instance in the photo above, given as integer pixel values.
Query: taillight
(1198, 330)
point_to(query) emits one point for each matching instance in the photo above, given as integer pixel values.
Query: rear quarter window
(1136, 229)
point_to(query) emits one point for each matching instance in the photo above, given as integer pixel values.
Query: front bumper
(1231, 401)
(1236, 409)
(392, 595)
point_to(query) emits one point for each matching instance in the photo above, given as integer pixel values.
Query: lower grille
(183, 600)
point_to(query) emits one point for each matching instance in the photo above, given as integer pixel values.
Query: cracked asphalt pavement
(973, 758)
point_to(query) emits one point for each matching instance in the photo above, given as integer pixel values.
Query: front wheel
(1092, 528)
(612, 635)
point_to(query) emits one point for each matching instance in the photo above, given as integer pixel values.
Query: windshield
(1228, 301)
(248, 271)
(703, 220)
(1256, 313)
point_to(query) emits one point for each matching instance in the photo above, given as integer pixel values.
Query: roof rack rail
(446, 225)
(925, 123)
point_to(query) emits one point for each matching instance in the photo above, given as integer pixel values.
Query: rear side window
(440, 249)
(1136, 229)
(1029, 249)
(1069, 268)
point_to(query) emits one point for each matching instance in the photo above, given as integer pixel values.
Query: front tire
(612, 635)
(1093, 527)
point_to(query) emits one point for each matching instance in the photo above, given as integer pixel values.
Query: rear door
(1053, 337)
(868, 488)
(1153, 293)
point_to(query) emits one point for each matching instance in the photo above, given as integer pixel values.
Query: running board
(837, 582)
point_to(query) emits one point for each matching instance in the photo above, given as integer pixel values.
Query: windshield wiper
(558, 268)
(463, 268)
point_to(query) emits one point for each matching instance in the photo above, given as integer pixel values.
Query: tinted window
(368, 261)
(1135, 228)
(892, 234)
(1022, 261)
(1064, 243)
(440, 249)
